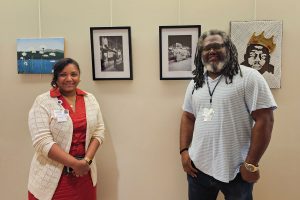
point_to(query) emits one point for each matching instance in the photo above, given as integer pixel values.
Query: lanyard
(211, 93)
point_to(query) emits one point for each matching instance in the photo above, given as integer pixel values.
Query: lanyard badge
(209, 112)
(61, 114)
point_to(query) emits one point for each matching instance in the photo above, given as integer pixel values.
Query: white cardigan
(45, 130)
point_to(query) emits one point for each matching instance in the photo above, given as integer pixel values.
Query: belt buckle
(67, 170)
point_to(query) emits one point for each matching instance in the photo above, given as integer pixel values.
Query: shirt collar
(54, 92)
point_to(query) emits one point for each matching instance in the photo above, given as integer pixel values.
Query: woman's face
(68, 79)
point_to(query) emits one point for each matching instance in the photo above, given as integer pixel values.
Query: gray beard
(215, 68)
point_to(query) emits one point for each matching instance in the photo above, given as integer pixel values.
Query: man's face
(214, 54)
(257, 57)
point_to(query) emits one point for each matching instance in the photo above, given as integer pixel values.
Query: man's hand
(187, 164)
(250, 177)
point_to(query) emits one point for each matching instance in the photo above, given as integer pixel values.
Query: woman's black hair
(59, 66)
(230, 69)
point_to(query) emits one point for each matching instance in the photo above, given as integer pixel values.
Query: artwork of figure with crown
(258, 53)
(259, 46)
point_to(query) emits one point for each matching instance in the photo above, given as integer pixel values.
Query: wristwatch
(88, 161)
(250, 167)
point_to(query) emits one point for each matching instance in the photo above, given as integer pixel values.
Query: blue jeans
(205, 187)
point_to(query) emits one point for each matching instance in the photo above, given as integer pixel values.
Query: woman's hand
(80, 168)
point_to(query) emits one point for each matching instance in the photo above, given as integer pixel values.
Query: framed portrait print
(177, 51)
(111, 53)
(259, 47)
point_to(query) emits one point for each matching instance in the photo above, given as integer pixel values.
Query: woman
(67, 128)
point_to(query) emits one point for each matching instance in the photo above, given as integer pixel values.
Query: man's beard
(215, 68)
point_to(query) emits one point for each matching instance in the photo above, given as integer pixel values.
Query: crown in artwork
(262, 40)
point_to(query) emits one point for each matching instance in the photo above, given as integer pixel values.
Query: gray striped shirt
(220, 146)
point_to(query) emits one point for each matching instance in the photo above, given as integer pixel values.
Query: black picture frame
(177, 46)
(111, 53)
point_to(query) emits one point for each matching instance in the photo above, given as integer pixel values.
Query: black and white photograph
(180, 47)
(111, 53)
(177, 51)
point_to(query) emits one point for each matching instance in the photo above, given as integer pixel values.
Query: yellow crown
(266, 42)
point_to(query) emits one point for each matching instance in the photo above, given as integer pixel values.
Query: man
(220, 145)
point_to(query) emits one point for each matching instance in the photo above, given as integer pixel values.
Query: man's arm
(186, 136)
(260, 138)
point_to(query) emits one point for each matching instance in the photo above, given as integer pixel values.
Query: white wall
(140, 158)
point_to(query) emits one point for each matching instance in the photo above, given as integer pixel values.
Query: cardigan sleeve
(39, 127)
(100, 128)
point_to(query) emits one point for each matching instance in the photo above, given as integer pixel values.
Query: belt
(68, 170)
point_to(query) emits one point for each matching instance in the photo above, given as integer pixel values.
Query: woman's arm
(92, 149)
(80, 167)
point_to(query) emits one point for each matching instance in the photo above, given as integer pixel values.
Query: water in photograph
(35, 66)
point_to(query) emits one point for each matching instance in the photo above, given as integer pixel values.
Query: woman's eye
(62, 75)
(74, 75)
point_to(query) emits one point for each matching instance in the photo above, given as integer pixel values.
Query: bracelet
(184, 149)
(87, 160)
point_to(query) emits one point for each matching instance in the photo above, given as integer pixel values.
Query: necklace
(71, 101)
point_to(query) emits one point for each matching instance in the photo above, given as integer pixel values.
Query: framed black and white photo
(177, 51)
(111, 53)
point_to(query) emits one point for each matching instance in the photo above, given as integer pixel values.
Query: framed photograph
(259, 47)
(111, 53)
(38, 55)
(177, 51)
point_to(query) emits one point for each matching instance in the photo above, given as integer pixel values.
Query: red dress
(69, 186)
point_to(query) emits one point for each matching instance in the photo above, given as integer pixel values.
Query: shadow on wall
(108, 175)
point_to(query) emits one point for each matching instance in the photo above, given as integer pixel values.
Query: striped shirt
(220, 145)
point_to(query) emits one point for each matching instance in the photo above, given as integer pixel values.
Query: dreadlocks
(231, 67)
